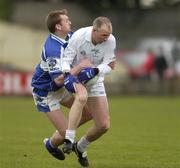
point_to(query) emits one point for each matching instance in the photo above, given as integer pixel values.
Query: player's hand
(69, 82)
(112, 64)
(87, 74)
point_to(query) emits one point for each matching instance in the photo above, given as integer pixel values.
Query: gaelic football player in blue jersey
(51, 87)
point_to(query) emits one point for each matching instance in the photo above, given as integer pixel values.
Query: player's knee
(81, 94)
(82, 98)
(104, 127)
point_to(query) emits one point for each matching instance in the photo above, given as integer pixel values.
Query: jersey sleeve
(109, 56)
(53, 60)
(69, 54)
(54, 67)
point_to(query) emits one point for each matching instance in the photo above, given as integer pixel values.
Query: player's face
(102, 34)
(65, 24)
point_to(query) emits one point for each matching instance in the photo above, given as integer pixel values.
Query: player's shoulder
(110, 43)
(83, 29)
(112, 38)
(52, 47)
(81, 32)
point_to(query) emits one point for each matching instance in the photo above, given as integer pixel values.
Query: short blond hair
(99, 21)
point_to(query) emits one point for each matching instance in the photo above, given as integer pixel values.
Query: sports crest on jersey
(83, 52)
(95, 52)
(52, 64)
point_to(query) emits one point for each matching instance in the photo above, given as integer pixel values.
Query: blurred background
(147, 34)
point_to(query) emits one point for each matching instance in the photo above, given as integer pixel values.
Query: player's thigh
(58, 119)
(67, 102)
(99, 109)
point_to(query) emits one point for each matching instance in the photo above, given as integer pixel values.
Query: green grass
(145, 133)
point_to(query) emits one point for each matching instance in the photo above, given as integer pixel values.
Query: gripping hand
(69, 82)
(87, 74)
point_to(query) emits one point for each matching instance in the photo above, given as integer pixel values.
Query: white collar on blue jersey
(58, 38)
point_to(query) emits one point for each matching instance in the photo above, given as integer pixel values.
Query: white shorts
(51, 101)
(96, 90)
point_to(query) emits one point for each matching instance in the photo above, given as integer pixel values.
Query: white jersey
(80, 47)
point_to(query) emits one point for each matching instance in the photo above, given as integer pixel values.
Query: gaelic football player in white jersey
(97, 44)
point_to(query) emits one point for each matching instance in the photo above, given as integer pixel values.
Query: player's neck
(61, 35)
(93, 39)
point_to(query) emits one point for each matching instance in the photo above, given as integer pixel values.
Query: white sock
(70, 135)
(82, 144)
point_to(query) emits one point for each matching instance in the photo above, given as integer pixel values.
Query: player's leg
(47, 103)
(75, 113)
(100, 115)
(56, 138)
(97, 98)
(67, 101)
(101, 118)
(60, 122)
(74, 118)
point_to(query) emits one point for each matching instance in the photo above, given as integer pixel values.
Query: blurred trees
(5, 9)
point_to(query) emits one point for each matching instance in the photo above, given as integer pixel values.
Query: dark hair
(53, 18)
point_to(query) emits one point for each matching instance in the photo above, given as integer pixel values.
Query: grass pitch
(145, 133)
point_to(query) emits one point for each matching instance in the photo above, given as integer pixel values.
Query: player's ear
(94, 30)
(58, 26)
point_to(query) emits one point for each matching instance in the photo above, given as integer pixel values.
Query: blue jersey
(50, 65)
